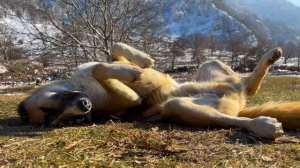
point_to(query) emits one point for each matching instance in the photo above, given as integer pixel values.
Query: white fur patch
(85, 68)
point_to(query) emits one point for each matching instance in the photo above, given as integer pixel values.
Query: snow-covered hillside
(185, 17)
(281, 11)
(201, 16)
(277, 21)
(23, 33)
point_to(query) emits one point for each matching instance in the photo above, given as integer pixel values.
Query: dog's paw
(155, 113)
(147, 62)
(273, 55)
(133, 55)
(135, 73)
(141, 59)
(266, 127)
(130, 73)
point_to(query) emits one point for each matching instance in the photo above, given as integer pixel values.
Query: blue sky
(296, 2)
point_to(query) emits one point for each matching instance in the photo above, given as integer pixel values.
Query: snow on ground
(3, 69)
(12, 94)
(284, 72)
(289, 62)
(4, 87)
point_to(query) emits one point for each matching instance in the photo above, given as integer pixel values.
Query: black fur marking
(51, 114)
(23, 113)
(50, 110)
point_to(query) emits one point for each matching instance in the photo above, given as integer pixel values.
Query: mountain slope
(281, 11)
(265, 25)
(201, 16)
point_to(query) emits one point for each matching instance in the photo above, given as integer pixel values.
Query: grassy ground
(114, 144)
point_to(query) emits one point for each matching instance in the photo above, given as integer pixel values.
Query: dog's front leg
(112, 76)
(122, 72)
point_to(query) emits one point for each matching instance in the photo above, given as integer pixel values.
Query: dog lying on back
(216, 96)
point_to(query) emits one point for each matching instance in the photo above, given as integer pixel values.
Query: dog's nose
(84, 104)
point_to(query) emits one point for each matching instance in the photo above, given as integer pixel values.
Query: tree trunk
(173, 62)
(299, 64)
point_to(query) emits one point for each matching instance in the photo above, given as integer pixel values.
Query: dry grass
(114, 144)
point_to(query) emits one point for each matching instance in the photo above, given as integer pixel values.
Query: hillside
(277, 21)
(252, 20)
(201, 16)
(209, 29)
(280, 11)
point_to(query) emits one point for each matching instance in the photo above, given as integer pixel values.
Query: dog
(215, 97)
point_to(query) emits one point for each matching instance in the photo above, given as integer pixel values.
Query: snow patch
(284, 72)
(202, 16)
(3, 69)
(22, 32)
(290, 62)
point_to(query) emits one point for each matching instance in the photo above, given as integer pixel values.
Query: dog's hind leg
(214, 71)
(124, 53)
(252, 83)
(193, 112)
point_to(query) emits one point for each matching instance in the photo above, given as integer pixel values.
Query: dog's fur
(216, 96)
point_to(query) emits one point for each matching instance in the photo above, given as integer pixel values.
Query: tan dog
(216, 97)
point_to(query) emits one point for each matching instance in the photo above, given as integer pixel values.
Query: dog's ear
(23, 113)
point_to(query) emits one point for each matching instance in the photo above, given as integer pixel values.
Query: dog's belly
(153, 86)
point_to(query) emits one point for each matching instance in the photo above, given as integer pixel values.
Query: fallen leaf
(266, 158)
(72, 145)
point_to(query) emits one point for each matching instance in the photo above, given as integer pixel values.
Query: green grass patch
(277, 89)
(115, 144)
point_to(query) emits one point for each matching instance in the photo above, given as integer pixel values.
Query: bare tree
(177, 50)
(297, 55)
(85, 29)
(197, 42)
(290, 51)
(8, 50)
(212, 45)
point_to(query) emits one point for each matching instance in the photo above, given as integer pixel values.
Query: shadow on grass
(233, 135)
(293, 133)
(245, 137)
(11, 126)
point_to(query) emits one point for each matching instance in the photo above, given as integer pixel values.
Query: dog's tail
(287, 112)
